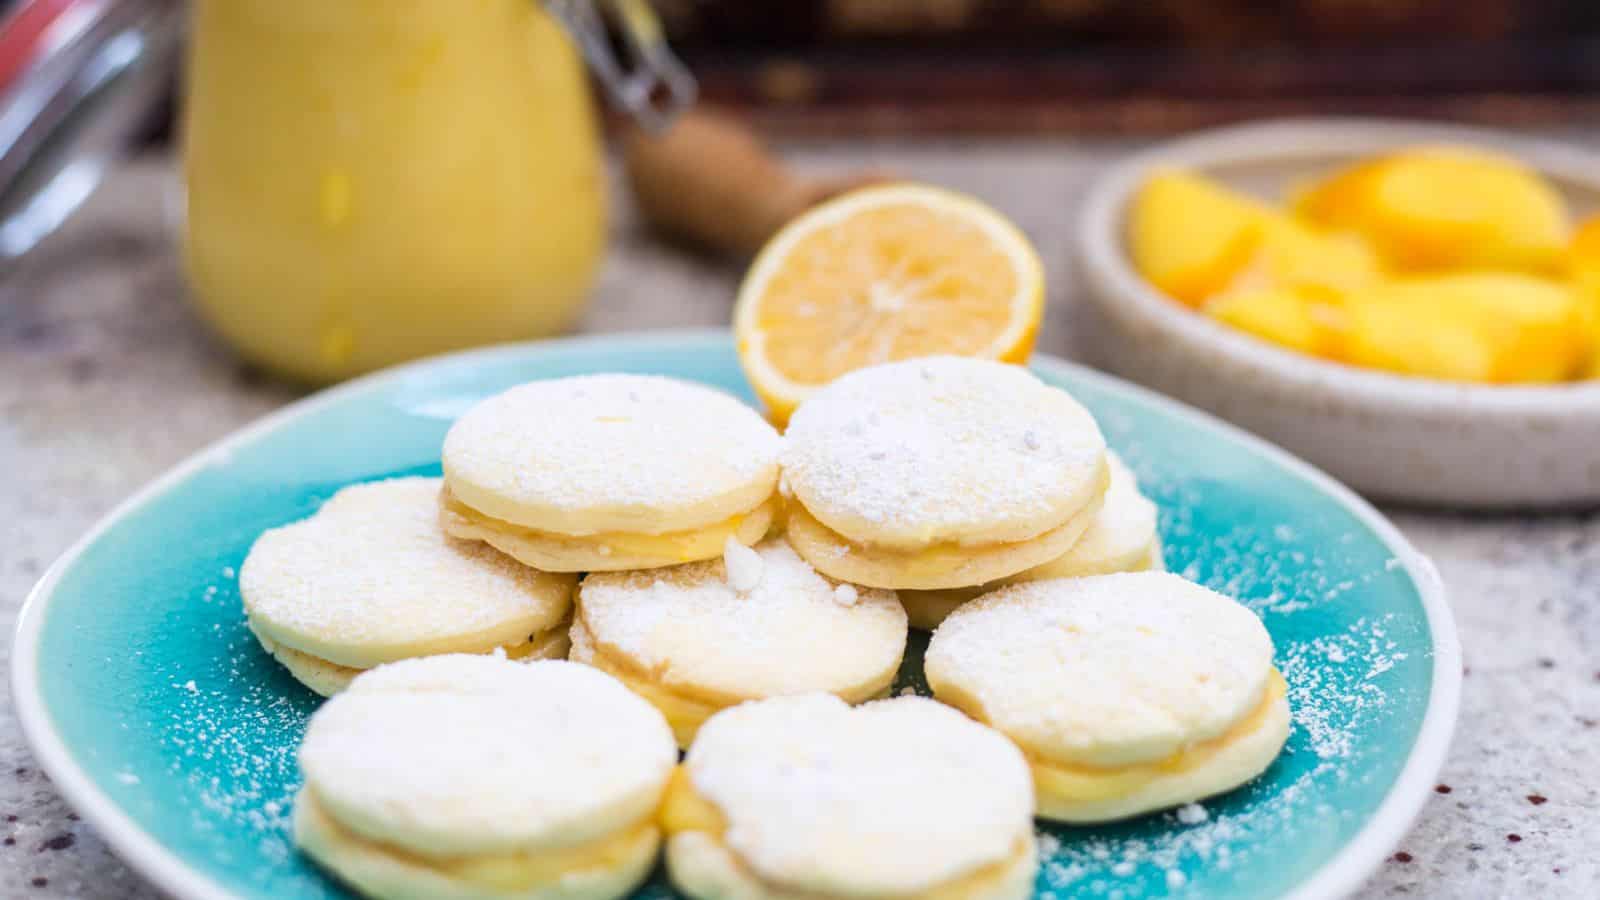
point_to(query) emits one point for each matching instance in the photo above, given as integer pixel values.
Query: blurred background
(1130, 66)
(1127, 66)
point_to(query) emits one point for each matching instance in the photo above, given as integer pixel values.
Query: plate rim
(1347, 870)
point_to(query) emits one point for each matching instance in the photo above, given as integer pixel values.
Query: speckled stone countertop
(106, 380)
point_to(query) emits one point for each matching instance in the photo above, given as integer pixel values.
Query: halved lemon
(881, 274)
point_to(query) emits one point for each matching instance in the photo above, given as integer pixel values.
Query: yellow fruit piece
(1435, 208)
(1190, 236)
(1339, 200)
(1290, 255)
(1486, 327)
(1297, 318)
(1195, 239)
(1583, 264)
(882, 274)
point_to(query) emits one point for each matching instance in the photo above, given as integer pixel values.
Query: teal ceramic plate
(167, 727)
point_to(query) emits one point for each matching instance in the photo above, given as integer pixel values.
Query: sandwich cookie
(939, 473)
(806, 797)
(371, 579)
(759, 623)
(1129, 693)
(462, 777)
(1122, 538)
(605, 473)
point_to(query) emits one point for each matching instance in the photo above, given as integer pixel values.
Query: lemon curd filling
(684, 809)
(684, 715)
(942, 559)
(520, 871)
(1063, 782)
(684, 546)
(327, 676)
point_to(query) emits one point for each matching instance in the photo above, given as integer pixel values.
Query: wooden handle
(710, 181)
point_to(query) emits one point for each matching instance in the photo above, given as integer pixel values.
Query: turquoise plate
(167, 727)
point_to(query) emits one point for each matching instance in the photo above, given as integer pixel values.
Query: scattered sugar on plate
(846, 595)
(1192, 814)
(743, 564)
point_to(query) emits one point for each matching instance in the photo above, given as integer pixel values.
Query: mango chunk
(1290, 255)
(1190, 236)
(1297, 318)
(1194, 238)
(1495, 327)
(1583, 266)
(1434, 208)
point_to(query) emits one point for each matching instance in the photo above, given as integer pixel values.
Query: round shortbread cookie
(779, 628)
(1106, 671)
(459, 756)
(889, 799)
(589, 454)
(943, 449)
(371, 578)
(560, 553)
(948, 565)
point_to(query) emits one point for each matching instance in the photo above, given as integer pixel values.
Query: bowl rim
(164, 868)
(1111, 276)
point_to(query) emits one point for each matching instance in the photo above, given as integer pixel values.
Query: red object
(23, 33)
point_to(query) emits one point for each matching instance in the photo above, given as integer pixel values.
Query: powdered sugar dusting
(743, 565)
(1192, 814)
(846, 595)
(980, 449)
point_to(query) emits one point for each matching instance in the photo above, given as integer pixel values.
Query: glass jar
(369, 181)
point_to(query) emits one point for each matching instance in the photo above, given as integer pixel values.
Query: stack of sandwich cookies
(1129, 692)
(806, 797)
(696, 638)
(940, 473)
(604, 473)
(1122, 538)
(463, 777)
(371, 579)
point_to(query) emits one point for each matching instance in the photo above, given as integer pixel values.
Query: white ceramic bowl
(1390, 436)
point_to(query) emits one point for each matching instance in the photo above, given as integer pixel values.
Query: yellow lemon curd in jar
(369, 181)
